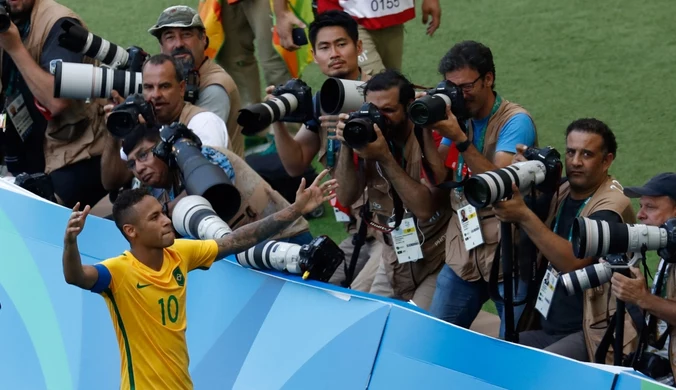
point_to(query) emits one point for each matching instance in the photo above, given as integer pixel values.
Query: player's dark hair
(595, 126)
(468, 54)
(140, 133)
(122, 208)
(334, 18)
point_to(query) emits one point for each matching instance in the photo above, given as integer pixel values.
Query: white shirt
(209, 127)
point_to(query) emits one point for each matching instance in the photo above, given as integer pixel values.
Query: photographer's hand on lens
(340, 126)
(268, 92)
(115, 100)
(630, 290)
(377, 150)
(308, 199)
(76, 223)
(513, 210)
(449, 127)
(519, 157)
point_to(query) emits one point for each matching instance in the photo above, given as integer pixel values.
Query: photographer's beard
(20, 10)
(185, 57)
(397, 131)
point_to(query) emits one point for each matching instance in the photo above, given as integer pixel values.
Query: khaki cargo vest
(78, 133)
(211, 73)
(405, 278)
(259, 200)
(596, 306)
(476, 264)
(188, 112)
(671, 294)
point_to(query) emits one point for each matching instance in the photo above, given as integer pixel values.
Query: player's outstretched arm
(307, 199)
(83, 276)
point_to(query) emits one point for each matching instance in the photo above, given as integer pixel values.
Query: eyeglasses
(141, 156)
(468, 87)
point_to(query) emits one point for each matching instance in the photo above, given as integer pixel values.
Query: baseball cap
(663, 184)
(177, 16)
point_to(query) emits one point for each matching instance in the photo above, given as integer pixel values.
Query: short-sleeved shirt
(28, 155)
(519, 129)
(565, 312)
(148, 312)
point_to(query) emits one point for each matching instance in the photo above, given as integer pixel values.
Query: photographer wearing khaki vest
(182, 34)
(495, 128)
(657, 205)
(408, 214)
(42, 134)
(163, 88)
(573, 325)
(259, 200)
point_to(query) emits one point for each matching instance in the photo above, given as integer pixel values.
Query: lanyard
(558, 217)
(480, 143)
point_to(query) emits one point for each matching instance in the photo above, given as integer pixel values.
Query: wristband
(462, 146)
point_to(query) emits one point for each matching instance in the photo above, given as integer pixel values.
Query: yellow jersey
(148, 312)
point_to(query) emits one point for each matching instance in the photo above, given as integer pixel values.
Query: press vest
(406, 277)
(210, 74)
(476, 264)
(598, 307)
(78, 133)
(372, 14)
(188, 112)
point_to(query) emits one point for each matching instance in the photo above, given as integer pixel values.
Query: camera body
(124, 117)
(551, 158)
(170, 136)
(359, 130)
(137, 57)
(292, 102)
(38, 183)
(5, 16)
(431, 108)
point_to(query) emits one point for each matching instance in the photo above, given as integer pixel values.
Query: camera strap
(358, 240)
(609, 337)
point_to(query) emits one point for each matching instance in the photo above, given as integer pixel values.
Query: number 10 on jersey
(170, 309)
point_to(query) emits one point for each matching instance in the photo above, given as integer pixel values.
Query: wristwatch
(462, 146)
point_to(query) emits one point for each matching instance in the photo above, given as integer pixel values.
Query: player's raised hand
(76, 223)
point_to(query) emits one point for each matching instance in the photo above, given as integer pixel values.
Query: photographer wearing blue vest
(57, 141)
(408, 214)
(557, 320)
(493, 132)
(657, 201)
(258, 200)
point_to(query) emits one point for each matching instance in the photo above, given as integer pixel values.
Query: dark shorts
(79, 182)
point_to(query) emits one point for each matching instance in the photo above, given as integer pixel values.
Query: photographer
(154, 272)
(495, 128)
(391, 170)
(657, 204)
(163, 88)
(570, 324)
(336, 48)
(182, 34)
(258, 199)
(42, 134)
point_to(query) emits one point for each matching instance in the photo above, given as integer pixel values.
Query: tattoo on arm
(254, 233)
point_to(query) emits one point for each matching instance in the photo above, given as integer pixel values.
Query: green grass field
(608, 59)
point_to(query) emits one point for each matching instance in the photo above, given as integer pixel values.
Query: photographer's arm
(114, 171)
(434, 157)
(351, 184)
(296, 152)
(634, 290)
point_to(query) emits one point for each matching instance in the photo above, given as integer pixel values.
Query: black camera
(359, 129)
(431, 108)
(181, 148)
(5, 16)
(38, 183)
(292, 102)
(124, 117)
(317, 260)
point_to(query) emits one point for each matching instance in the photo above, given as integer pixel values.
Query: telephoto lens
(592, 238)
(85, 81)
(193, 216)
(594, 275)
(77, 39)
(341, 96)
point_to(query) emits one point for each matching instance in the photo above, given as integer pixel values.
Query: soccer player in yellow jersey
(145, 287)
